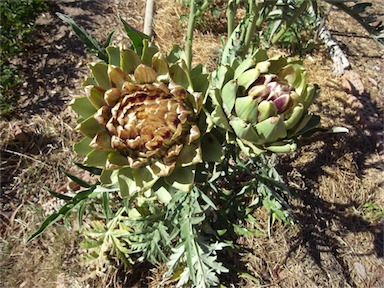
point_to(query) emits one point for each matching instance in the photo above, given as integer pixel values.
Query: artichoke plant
(140, 119)
(263, 103)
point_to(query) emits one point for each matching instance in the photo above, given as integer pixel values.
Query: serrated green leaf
(200, 83)
(60, 195)
(90, 42)
(109, 39)
(176, 54)
(90, 169)
(105, 203)
(61, 213)
(77, 180)
(127, 184)
(136, 36)
(81, 212)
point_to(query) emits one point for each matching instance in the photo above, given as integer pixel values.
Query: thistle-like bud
(265, 103)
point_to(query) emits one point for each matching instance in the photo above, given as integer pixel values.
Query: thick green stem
(231, 11)
(253, 8)
(191, 27)
(193, 15)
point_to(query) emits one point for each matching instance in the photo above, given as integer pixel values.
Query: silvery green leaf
(116, 159)
(107, 188)
(136, 36)
(179, 75)
(311, 122)
(163, 195)
(176, 54)
(144, 178)
(190, 154)
(89, 41)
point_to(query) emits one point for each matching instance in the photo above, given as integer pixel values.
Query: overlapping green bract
(262, 103)
(141, 120)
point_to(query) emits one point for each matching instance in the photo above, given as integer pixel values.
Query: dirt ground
(337, 240)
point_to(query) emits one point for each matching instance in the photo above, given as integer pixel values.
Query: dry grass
(33, 154)
(338, 238)
(170, 28)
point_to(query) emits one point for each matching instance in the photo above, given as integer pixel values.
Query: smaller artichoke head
(263, 102)
(140, 121)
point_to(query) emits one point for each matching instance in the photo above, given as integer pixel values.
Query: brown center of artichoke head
(148, 122)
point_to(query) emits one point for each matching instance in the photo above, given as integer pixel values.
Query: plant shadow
(323, 221)
(53, 65)
(16, 155)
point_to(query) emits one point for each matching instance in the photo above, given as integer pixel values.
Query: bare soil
(337, 240)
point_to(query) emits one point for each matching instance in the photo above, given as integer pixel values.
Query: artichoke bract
(263, 103)
(140, 120)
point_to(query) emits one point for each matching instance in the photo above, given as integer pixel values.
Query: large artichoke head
(140, 120)
(263, 103)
